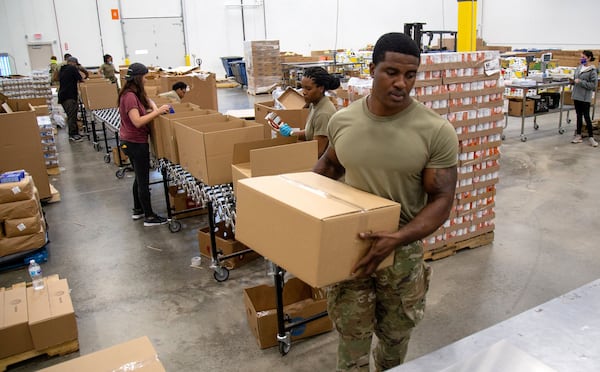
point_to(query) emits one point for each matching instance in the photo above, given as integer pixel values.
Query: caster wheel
(503, 137)
(561, 131)
(221, 274)
(174, 226)
(523, 138)
(284, 347)
(568, 121)
(107, 158)
(120, 173)
(536, 127)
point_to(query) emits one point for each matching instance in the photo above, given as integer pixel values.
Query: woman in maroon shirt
(137, 111)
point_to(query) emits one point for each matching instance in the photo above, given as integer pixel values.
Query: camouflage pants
(390, 303)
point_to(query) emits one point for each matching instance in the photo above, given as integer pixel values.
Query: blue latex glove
(285, 130)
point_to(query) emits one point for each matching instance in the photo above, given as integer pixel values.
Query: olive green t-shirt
(316, 123)
(386, 155)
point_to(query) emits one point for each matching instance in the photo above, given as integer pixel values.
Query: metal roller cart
(219, 201)
(111, 122)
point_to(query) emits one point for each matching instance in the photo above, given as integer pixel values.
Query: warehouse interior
(128, 281)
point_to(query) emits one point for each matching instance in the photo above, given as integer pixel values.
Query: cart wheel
(120, 173)
(503, 137)
(221, 274)
(568, 121)
(284, 347)
(107, 158)
(536, 126)
(561, 130)
(174, 226)
(523, 138)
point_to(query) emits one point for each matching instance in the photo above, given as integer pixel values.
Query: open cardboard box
(309, 224)
(227, 247)
(294, 112)
(205, 145)
(272, 156)
(298, 304)
(203, 89)
(138, 354)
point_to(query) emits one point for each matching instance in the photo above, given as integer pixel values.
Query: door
(155, 41)
(39, 56)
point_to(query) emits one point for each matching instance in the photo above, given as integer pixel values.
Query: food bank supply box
(309, 224)
(515, 107)
(205, 145)
(36, 320)
(99, 94)
(298, 304)
(164, 144)
(135, 355)
(20, 146)
(293, 112)
(272, 156)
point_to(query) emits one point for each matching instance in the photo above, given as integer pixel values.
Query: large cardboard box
(20, 147)
(226, 247)
(272, 156)
(206, 147)
(51, 314)
(317, 223)
(22, 243)
(298, 304)
(99, 94)
(14, 328)
(515, 107)
(138, 354)
(203, 89)
(163, 134)
(295, 117)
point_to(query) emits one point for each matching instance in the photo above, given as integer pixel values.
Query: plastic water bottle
(35, 272)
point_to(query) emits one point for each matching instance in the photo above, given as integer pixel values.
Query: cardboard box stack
(48, 141)
(263, 65)
(22, 225)
(465, 88)
(27, 87)
(35, 320)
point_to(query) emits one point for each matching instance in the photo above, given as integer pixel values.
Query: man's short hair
(395, 42)
(179, 85)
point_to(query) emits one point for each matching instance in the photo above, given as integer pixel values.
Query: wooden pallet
(452, 248)
(62, 349)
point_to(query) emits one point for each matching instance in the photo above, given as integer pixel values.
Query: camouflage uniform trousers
(390, 303)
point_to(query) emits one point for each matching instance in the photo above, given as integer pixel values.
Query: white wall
(214, 28)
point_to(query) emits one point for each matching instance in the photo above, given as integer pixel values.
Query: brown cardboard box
(20, 209)
(99, 94)
(17, 191)
(261, 310)
(206, 148)
(318, 222)
(296, 118)
(272, 156)
(23, 243)
(568, 98)
(20, 147)
(22, 226)
(115, 156)
(163, 134)
(203, 89)
(138, 352)
(516, 105)
(14, 329)
(227, 247)
(51, 314)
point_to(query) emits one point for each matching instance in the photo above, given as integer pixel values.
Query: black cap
(73, 59)
(134, 70)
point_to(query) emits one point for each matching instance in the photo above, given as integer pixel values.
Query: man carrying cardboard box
(392, 146)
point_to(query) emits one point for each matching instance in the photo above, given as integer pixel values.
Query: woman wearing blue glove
(315, 82)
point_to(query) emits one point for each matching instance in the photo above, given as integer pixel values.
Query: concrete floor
(128, 281)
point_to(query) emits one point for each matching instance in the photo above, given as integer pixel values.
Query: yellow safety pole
(467, 26)
(188, 60)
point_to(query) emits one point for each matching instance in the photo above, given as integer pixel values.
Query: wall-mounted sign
(114, 13)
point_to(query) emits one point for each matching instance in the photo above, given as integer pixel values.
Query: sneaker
(593, 142)
(76, 138)
(137, 214)
(155, 220)
(577, 139)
